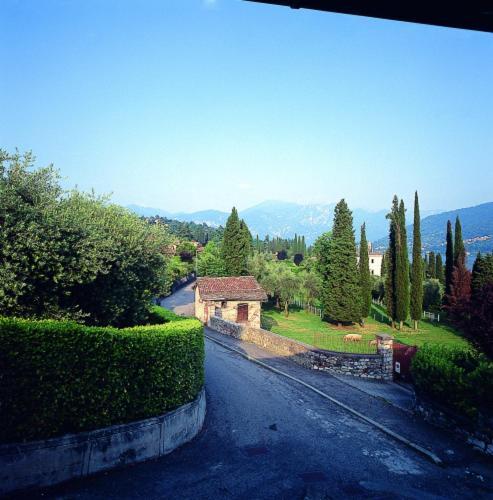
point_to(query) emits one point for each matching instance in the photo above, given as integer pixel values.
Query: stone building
(235, 298)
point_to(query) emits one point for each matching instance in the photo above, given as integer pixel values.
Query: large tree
(459, 249)
(236, 245)
(417, 271)
(449, 260)
(364, 275)
(402, 269)
(390, 259)
(439, 268)
(342, 293)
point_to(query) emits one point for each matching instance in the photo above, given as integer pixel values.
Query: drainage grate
(313, 477)
(253, 451)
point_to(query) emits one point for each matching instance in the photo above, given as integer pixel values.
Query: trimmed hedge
(458, 378)
(159, 315)
(58, 377)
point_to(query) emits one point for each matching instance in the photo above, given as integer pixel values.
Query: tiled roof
(231, 288)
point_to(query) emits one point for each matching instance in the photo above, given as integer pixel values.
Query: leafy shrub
(159, 315)
(58, 377)
(458, 378)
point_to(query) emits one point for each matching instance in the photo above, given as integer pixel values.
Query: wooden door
(242, 313)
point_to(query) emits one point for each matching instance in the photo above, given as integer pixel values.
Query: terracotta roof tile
(231, 288)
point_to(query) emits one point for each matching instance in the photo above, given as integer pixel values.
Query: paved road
(267, 437)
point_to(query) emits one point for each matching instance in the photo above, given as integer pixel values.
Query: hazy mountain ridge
(277, 218)
(477, 230)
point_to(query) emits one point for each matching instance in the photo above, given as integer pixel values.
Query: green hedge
(159, 315)
(58, 377)
(458, 378)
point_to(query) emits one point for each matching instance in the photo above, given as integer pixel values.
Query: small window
(372, 272)
(372, 261)
(242, 313)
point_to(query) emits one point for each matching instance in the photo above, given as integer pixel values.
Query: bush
(458, 378)
(159, 315)
(58, 377)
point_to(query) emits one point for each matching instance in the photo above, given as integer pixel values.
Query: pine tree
(233, 252)
(342, 293)
(402, 269)
(365, 277)
(417, 271)
(459, 250)
(439, 268)
(449, 260)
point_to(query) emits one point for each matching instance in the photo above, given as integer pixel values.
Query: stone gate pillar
(385, 344)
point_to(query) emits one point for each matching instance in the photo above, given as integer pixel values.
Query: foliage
(432, 295)
(416, 305)
(459, 298)
(236, 245)
(282, 255)
(377, 287)
(402, 269)
(159, 315)
(289, 285)
(439, 271)
(175, 270)
(449, 260)
(73, 255)
(258, 265)
(298, 258)
(341, 295)
(459, 250)
(59, 376)
(364, 274)
(311, 286)
(459, 378)
(192, 231)
(210, 262)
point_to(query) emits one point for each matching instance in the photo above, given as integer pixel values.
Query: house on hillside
(235, 298)
(374, 260)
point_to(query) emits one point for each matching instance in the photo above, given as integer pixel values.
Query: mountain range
(284, 219)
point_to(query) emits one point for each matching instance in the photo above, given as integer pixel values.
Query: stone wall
(52, 461)
(376, 366)
(204, 310)
(477, 434)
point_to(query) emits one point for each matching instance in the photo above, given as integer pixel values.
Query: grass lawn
(310, 329)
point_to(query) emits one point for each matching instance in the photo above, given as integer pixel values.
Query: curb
(401, 439)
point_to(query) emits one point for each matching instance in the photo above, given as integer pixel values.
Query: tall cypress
(391, 261)
(431, 271)
(417, 271)
(247, 246)
(459, 250)
(233, 245)
(364, 273)
(402, 269)
(342, 293)
(439, 268)
(383, 266)
(449, 260)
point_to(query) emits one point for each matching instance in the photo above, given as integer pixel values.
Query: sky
(186, 105)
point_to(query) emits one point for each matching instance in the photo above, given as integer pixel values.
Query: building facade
(235, 298)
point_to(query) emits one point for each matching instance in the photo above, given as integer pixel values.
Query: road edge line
(416, 447)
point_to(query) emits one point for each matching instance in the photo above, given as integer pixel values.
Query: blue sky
(193, 104)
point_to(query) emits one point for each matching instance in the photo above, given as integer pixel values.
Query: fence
(307, 307)
(426, 315)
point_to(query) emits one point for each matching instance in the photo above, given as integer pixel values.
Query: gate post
(385, 348)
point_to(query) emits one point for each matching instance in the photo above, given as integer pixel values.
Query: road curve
(267, 437)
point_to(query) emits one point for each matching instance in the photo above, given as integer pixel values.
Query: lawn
(310, 329)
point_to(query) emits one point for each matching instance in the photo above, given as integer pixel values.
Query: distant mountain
(477, 230)
(284, 219)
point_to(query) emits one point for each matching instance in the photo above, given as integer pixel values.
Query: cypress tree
(342, 293)
(449, 260)
(417, 271)
(303, 245)
(439, 268)
(482, 274)
(402, 269)
(383, 268)
(233, 245)
(391, 261)
(459, 250)
(365, 277)
(247, 246)
(431, 272)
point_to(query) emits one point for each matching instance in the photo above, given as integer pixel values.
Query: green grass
(310, 329)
